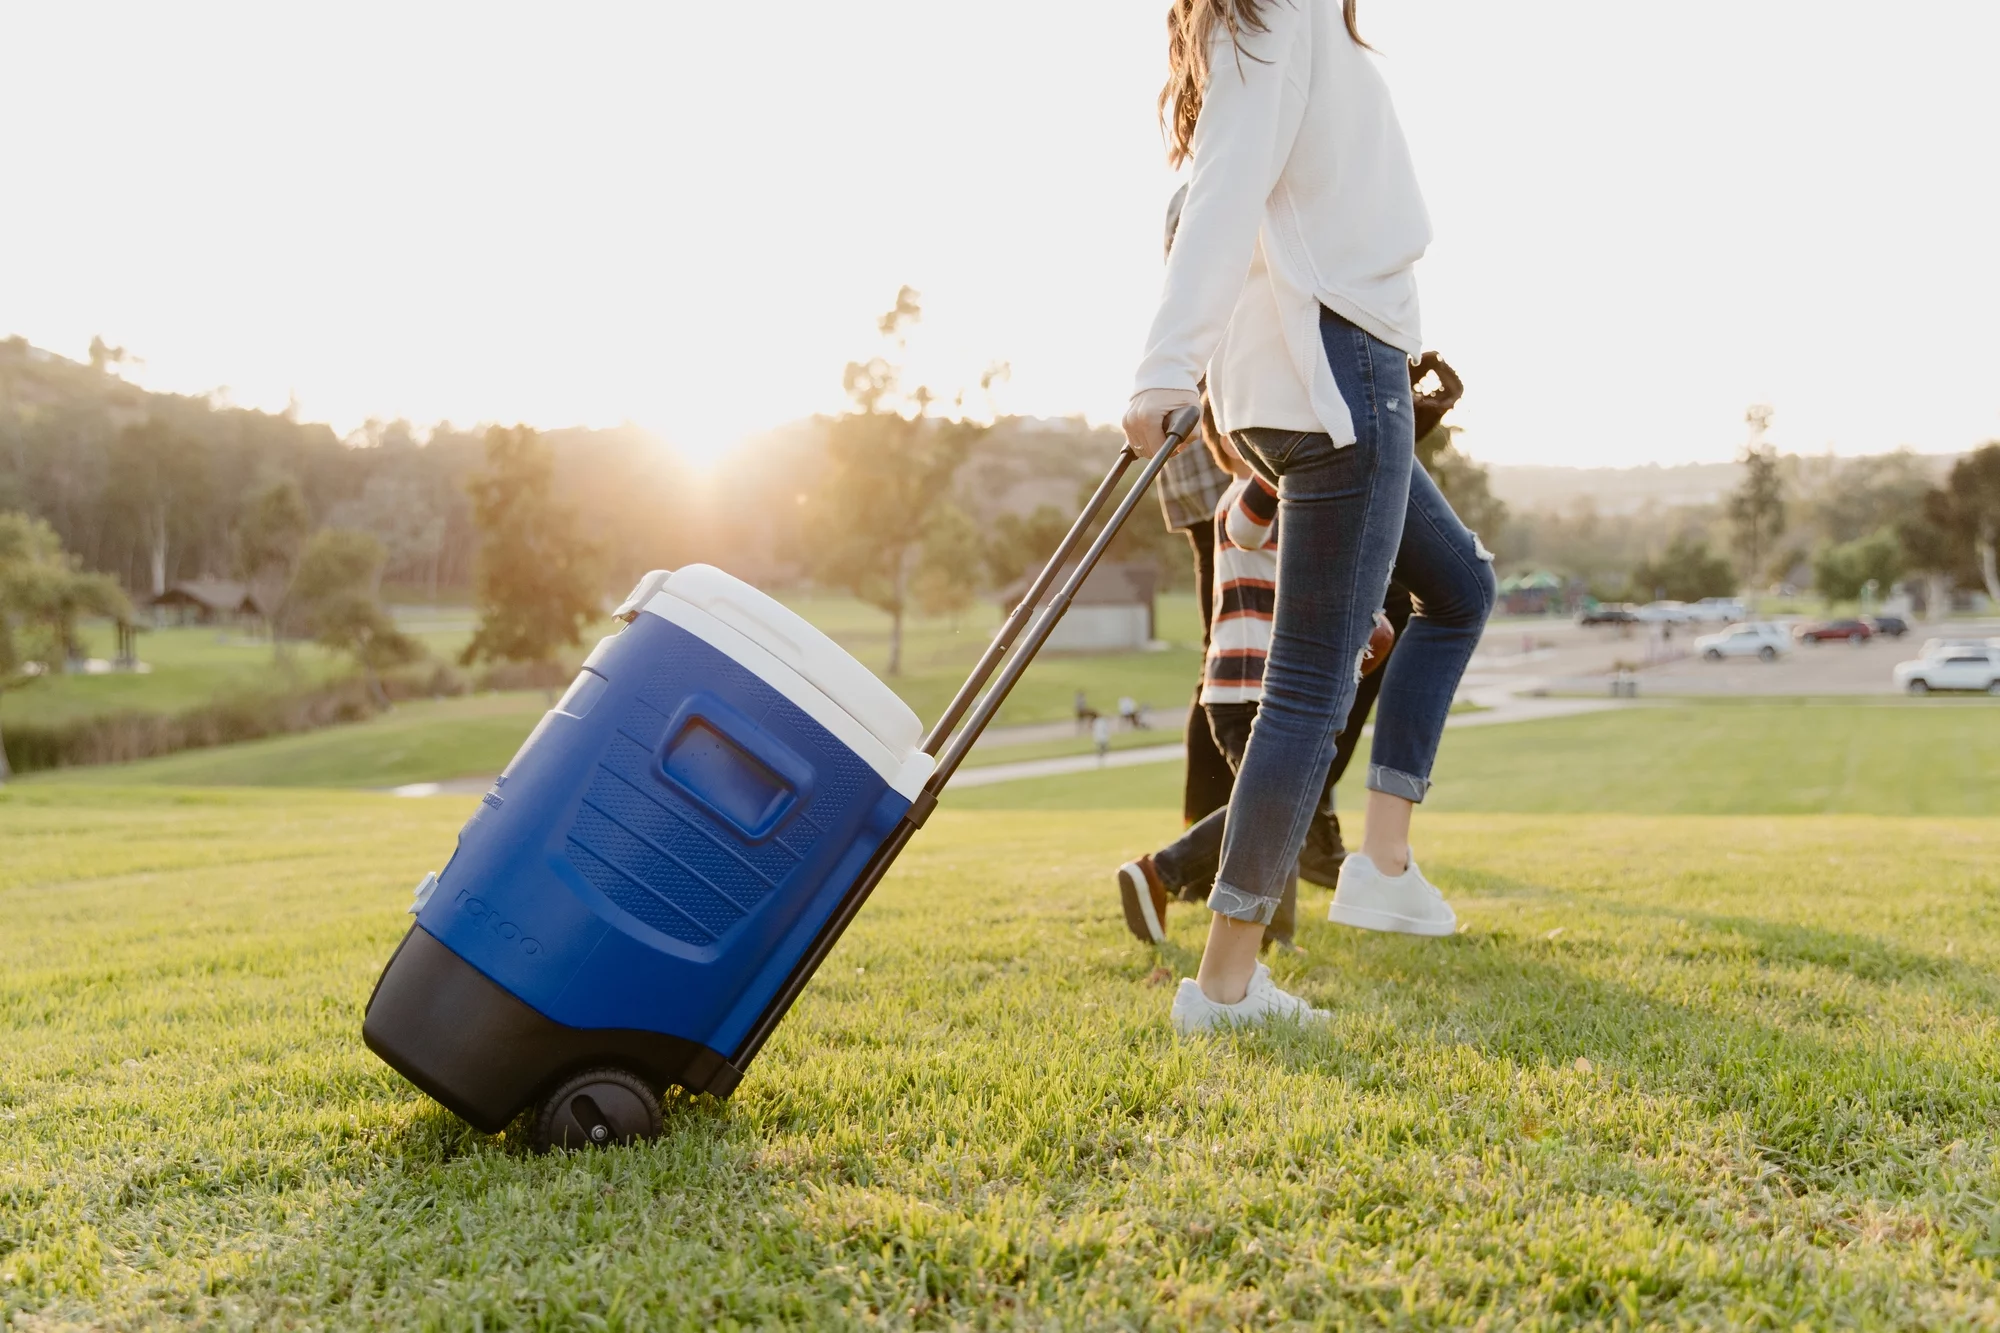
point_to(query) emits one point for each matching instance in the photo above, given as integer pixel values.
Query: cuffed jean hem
(1390, 782)
(1241, 906)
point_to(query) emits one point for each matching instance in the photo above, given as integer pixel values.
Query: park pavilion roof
(218, 596)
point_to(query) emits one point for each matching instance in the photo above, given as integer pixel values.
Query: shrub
(526, 675)
(1687, 572)
(1841, 573)
(118, 737)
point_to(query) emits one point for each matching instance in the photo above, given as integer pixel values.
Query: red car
(1835, 631)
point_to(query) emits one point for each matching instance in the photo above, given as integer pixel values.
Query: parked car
(1760, 639)
(1607, 613)
(1824, 631)
(1953, 669)
(1670, 613)
(1934, 647)
(1718, 610)
(1894, 627)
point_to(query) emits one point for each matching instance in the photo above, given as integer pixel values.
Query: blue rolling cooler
(643, 893)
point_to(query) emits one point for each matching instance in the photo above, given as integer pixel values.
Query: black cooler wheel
(598, 1108)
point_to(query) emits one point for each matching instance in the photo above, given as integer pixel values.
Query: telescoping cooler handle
(1180, 425)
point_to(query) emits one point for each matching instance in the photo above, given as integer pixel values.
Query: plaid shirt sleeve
(1191, 486)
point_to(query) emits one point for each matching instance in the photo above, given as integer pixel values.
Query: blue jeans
(1186, 866)
(1349, 517)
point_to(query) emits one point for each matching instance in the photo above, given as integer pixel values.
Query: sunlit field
(939, 652)
(1933, 756)
(1733, 1071)
(1711, 757)
(195, 666)
(1715, 1046)
(190, 667)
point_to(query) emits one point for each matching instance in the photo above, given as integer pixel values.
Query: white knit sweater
(1302, 195)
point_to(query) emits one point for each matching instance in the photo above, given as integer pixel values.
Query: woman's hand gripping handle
(1154, 414)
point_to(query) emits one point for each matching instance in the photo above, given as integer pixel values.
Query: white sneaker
(1261, 1003)
(1407, 903)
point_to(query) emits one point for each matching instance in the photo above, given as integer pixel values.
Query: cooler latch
(641, 595)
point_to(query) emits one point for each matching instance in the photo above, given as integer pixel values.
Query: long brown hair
(1189, 25)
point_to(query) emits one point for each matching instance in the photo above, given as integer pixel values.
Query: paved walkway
(996, 738)
(987, 774)
(449, 787)
(1512, 700)
(1500, 700)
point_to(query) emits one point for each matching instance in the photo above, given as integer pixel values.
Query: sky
(689, 215)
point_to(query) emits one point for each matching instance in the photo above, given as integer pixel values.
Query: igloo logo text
(489, 919)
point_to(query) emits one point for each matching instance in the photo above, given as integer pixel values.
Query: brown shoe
(1145, 900)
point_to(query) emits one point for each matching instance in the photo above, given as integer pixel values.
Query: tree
(399, 511)
(72, 593)
(1932, 548)
(103, 355)
(1971, 510)
(269, 539)
(1858, 496)
(1757, 509)
(1466, 484)
(949, 564)
(1687, 572)
(536, 578)
(1017, 543)
(42, 594)
(337, 600)
(889, 469)
(1843, 572)
(158, 474)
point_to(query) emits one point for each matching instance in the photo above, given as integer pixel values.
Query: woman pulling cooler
(1291, 287)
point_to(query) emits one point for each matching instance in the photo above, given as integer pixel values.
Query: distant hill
(1625, 490)
(1614, 490)
(149, 486)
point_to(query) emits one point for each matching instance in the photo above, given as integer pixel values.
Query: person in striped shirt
(1239, 641)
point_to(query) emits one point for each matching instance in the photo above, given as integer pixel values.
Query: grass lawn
(436, 739)
(190, 667)
(1825, 756)
(1933, 756)
(1753, 1083)
(1159, 734)
(429, 740)
(424, 740)
(194, 666)
(938, 654)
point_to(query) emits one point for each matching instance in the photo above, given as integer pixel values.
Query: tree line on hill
(1838, 527)
(155, 490)
(160, 489)
(903, 500)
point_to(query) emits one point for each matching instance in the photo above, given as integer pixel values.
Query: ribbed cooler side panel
(664, 859)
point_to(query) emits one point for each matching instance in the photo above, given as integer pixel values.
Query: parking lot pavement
(1565, 658)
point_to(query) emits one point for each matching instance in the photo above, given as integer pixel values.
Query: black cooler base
(482, 1053)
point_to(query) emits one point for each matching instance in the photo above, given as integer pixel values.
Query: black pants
(1210, 778)
(1398, 609)
(1187, 867)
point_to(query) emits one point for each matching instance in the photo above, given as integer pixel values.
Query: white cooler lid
(795, 643)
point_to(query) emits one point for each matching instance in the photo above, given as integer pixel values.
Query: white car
(1939, 647)
(1718, 610)
(1759, 639)
(1952, 669)
(1670, 613)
